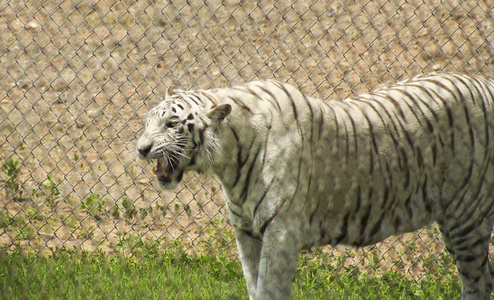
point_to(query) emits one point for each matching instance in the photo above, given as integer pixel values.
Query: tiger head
(178, 135)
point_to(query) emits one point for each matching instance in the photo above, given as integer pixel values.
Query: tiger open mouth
(168, 171)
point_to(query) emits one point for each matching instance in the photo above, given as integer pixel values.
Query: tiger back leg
(469, 246)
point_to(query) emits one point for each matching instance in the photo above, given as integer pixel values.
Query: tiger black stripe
(261, 199)
(425, 197)
(415, 109)
(320, 121)
(390, 120)
(209, 97)
(353, 129)
(265, 150)
(302, 137)
(426, 93)
(294, 109)
(298, 172)
(444, 103)
(238, 156)
(397, 106)
(240, 103)
(273, 100)
(334, 120)
(194, 99)
(365, 217)
(371, 131)
(482, 92)
(343, 230)
(248, 177)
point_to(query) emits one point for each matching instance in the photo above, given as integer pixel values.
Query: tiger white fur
(300, 172)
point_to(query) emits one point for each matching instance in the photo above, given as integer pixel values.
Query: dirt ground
(78, 77)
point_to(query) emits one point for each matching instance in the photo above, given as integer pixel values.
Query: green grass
(157, 275)
(322, 285)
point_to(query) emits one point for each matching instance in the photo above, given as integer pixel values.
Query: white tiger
(299, 172)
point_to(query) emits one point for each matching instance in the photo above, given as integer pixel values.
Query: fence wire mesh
(78, 77)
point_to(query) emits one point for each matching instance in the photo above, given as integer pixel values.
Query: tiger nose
(144, 149)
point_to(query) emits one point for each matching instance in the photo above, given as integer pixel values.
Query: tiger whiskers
(170, 162)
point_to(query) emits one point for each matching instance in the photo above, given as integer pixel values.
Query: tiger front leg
(278, 261)
(249, 249)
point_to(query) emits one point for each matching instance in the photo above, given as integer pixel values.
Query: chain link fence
(78, 77)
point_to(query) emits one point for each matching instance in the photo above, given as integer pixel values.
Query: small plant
(219, 235)
(5, 219)
(27, 232)
(162, 209)
(35, 214)
(84, 233)
(12, 187)
(213, 192)
(115, 212)
(188, 210)
(71, 222)
(130, 210)
(53, 192)
(130, 171)
(93, 206)
(143, 212)
(129, 241)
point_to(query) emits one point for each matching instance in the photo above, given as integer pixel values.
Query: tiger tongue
(162, 170)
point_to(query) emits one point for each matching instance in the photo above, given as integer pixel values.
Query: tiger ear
(172, 90)
(219, 113)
